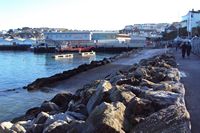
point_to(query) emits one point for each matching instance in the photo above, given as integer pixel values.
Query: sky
(91, 14)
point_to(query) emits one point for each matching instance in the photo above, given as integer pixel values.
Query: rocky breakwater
(45, 82)
(147, 98)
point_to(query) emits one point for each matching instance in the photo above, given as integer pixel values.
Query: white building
(191, 20)
(129, 27)
(159, 27)
(30, 41)
(73, 38)
(68, 36)
(5, 41)
(17, 41)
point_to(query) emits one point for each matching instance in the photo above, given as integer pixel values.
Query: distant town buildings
(146, 30)
(79, 37)
(18, 41)
(191, 20)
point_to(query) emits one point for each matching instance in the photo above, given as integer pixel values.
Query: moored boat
(60, 56)
(86, 54)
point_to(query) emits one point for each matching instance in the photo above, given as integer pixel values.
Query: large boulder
(140, 72)
(18, 128)
(8, 127)
(59, 126)
(172, 86)
(130, 81)
(41, 118)
(161, 99)
(62, 100)
(26, 124)
(173, 119)
(36, 128)
(172, 75)
(33, 111)
(82, 96)
(119, 93)
(164, 98)
(86, 92)
(67, 116)
(106, 118)
(137, 109)
(99, 96)
(76, 127)
(5, 127)
(115, 80)
(48, 106)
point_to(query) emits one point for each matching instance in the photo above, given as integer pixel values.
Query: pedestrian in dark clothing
(188, 48)
(183, 48)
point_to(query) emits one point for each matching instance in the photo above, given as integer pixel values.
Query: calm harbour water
(18, 69)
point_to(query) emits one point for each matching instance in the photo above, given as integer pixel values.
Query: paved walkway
(191, 80)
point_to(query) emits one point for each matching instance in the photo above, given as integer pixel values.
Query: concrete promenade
(191, 79)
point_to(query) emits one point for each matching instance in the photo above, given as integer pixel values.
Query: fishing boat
(87, 54)
(60, 56)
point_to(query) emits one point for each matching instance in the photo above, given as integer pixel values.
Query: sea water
(17, 69)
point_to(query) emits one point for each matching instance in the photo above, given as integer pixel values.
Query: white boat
(60, 56)
(86, 54)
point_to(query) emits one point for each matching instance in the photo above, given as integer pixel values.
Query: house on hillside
(191, 20)
(5, 41)
(170, 29)
(30, 41)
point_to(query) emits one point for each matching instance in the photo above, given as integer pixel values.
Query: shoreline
(53, 50)
(47, 81)
(147, 91)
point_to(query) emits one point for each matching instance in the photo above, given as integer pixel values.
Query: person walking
(188, 48)
(183, 49)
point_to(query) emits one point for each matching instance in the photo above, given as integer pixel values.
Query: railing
(196, 45)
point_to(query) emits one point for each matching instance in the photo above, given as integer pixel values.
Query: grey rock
(97, 98)
(172, 75)
(5, 127)
(173, 119)
(37, 128)
(76, 127)
(18, 128)
(26, 124)
(121, 94)
(59, 126)
(137, 109)
(41, 118)
(67, 116)
(48, 106)
(106, 118)
(140, 72)
(113, 80)
(164, 98)
(62, 100)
